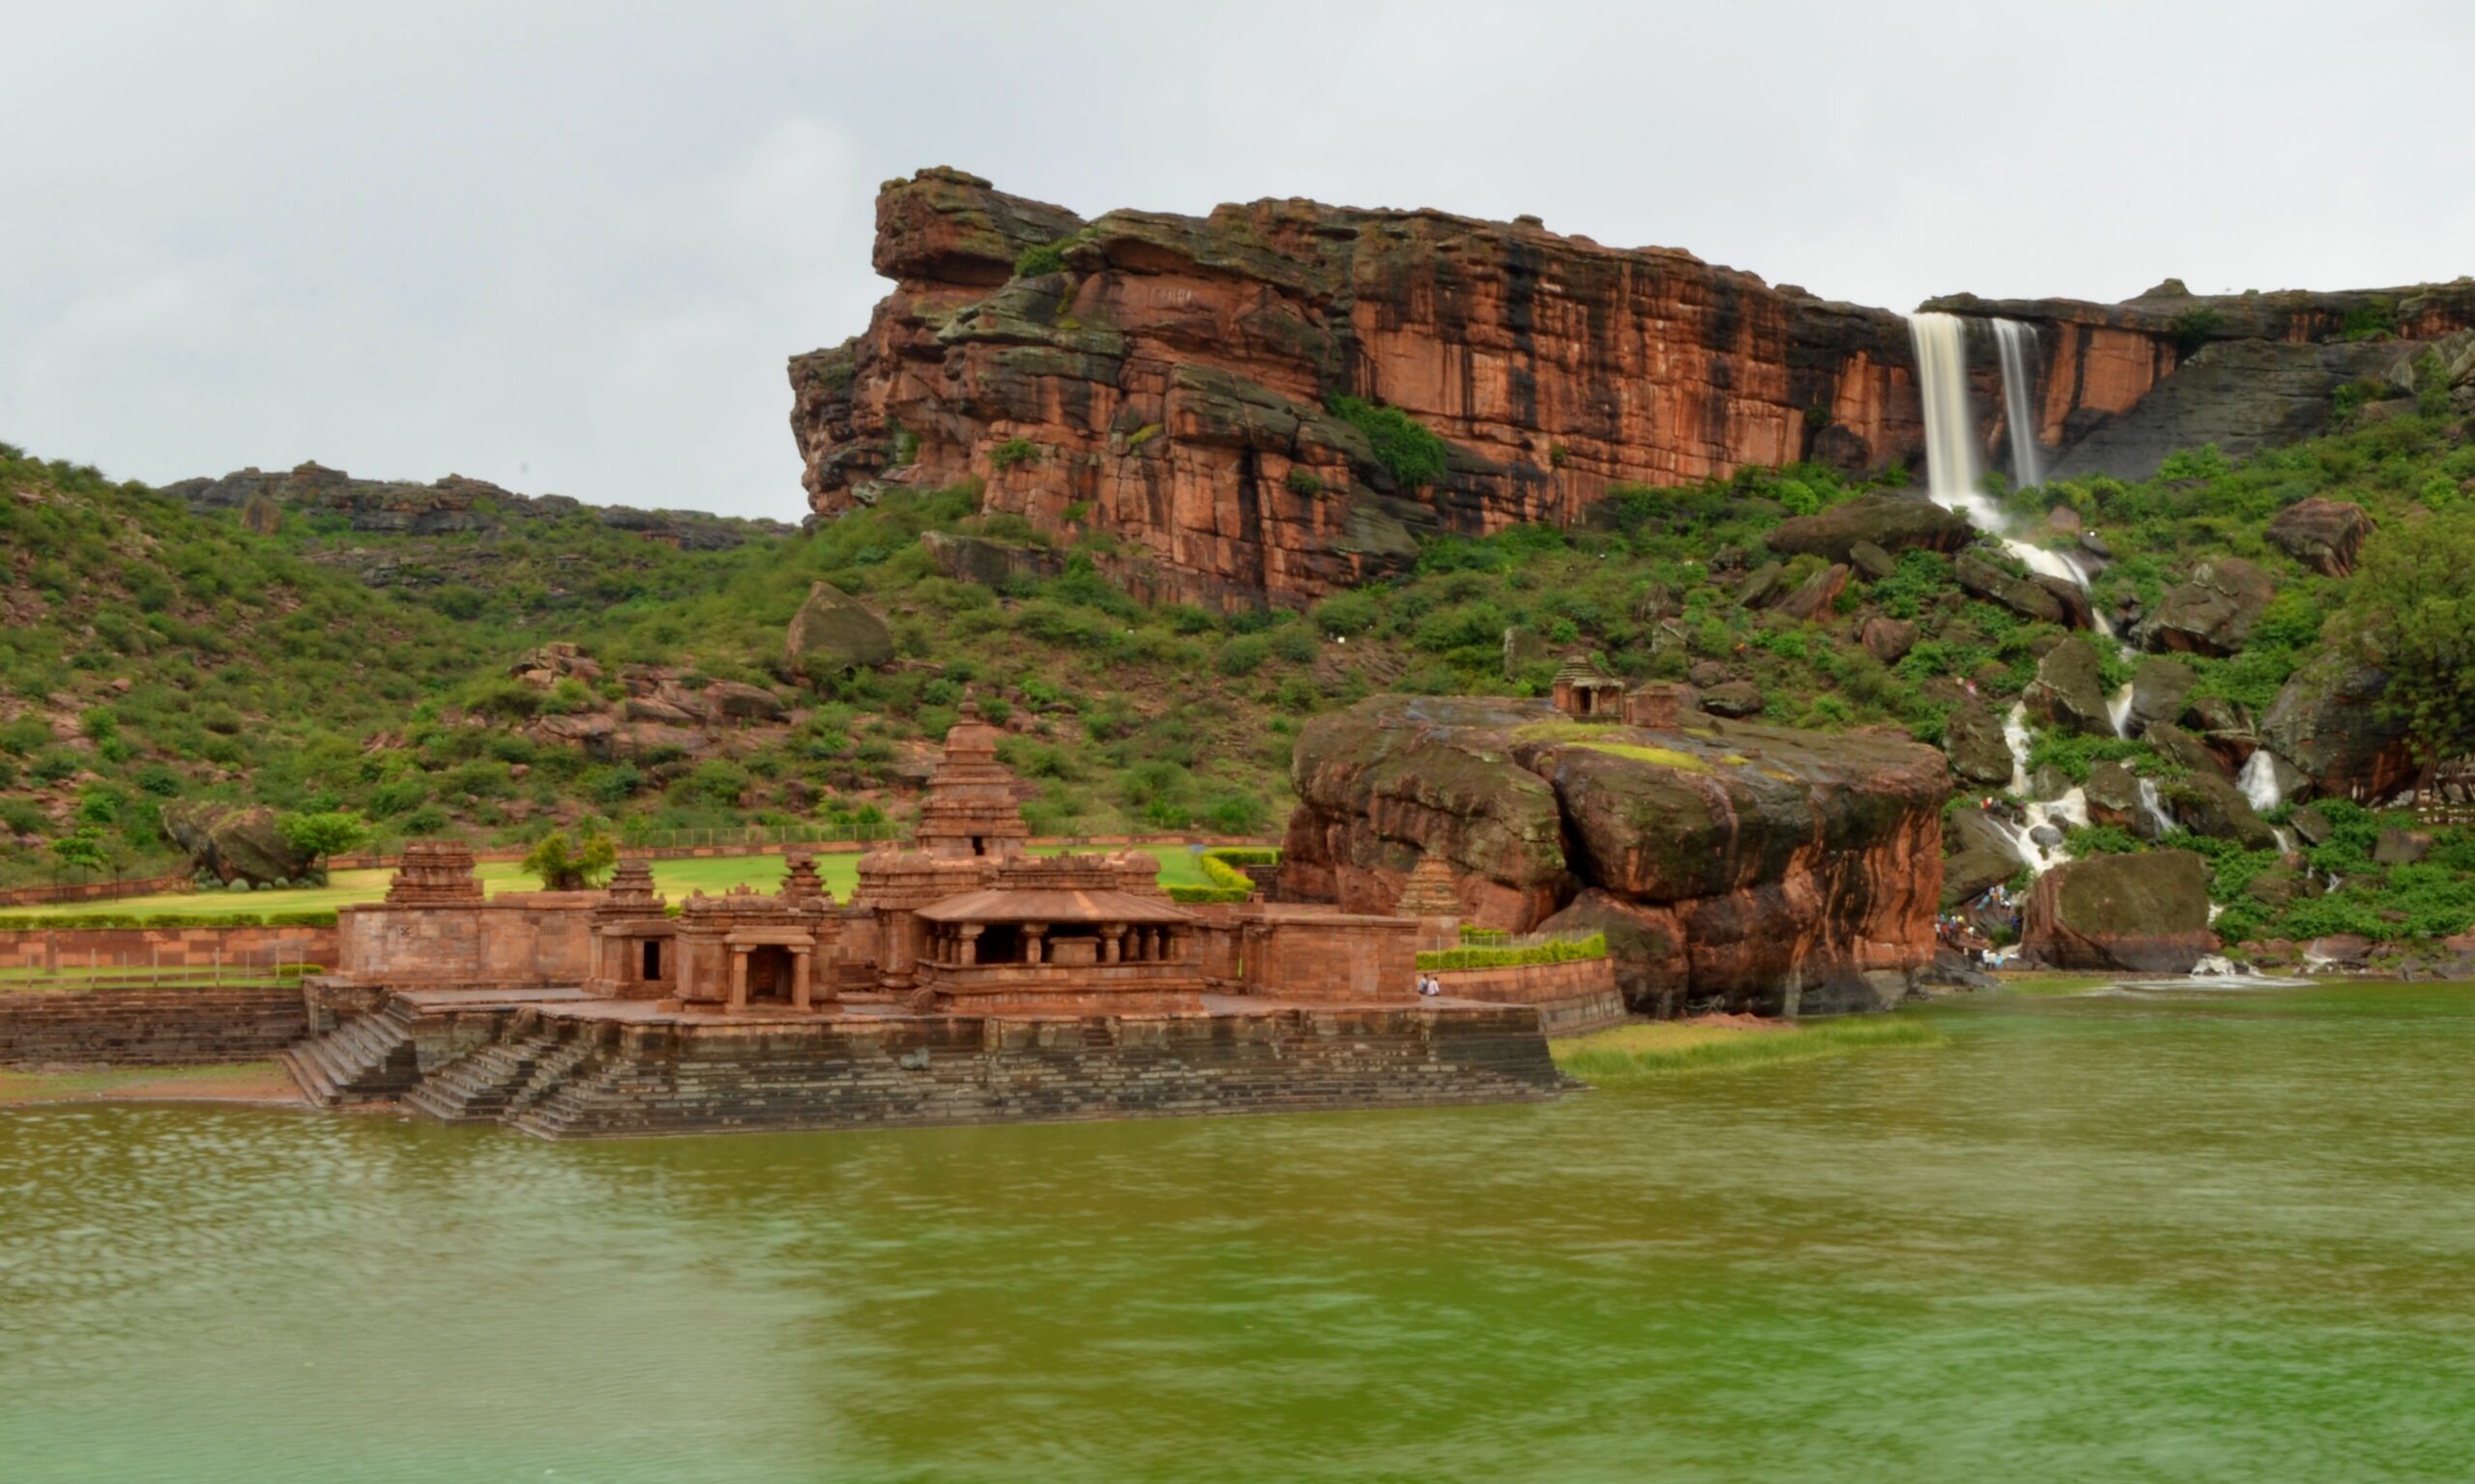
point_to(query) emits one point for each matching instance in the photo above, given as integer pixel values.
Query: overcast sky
(567, 246)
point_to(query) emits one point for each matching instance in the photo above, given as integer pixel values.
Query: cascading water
(2260, 782)
(1951, 469)
(2017, 342)
(2118, 709)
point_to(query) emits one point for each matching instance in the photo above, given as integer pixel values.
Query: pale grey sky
(567, 245)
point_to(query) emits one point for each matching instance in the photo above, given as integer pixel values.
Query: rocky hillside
(1279, 400)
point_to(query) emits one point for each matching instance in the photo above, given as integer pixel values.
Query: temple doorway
(769, 975)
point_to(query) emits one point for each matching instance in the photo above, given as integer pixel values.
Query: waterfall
(2017, 342)
(1951, 449)
(2152, 808)
(2260, 782)
(2118, 709)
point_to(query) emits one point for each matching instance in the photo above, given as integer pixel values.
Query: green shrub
(1562, 950)
(1013, 451)
(1303, 481)
(1413, 454)
(1046, 258)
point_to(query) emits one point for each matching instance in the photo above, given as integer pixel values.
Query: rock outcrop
(2328, 722)
(1744, 866)
(453, 505)
(1169, 379)
(1171, 374)
(2142, 914)
(833, 631)
(2323, 535)
(2069, 692)
(2210, 612)
(235, 842)
(1893, 523)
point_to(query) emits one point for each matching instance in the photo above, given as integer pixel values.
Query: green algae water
(2185, 1234)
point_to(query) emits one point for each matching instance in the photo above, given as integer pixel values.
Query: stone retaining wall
(1572, 998)
(94, 890)
(167, 947)
(132, 1027)
(856, 1072)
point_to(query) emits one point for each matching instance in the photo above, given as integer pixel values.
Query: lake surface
(2188, 1234)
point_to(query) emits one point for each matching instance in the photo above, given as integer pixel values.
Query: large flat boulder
(2138, 914)
(2159, 687)
(2069, 691)
(835, 631)
(1979, 753)
(1753, 866)
(235, 842)
(1893, 523)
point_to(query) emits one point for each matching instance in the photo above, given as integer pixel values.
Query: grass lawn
(1644, 1051)
(1180, 865)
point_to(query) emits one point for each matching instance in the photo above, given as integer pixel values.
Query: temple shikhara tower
(967, 979)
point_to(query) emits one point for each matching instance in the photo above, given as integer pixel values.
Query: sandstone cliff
(1164, 378)
(1749, 867)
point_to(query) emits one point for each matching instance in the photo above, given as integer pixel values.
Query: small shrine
(1427, 896)
(971, 810)
(634, 955)
(1062, 932)
(1587, 693)
(745, 949)
(434, 873)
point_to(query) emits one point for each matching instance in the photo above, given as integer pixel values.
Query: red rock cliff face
(1168, 384)
(1745, 866)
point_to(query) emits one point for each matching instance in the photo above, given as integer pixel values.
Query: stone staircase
(564, 1094)
(478, 1086)
(367, 1057)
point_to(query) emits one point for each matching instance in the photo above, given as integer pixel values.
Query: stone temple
(966, 980)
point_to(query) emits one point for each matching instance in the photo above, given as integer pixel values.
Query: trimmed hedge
(1193, 894)
(1562, 950)
(63, 922)
(1220, 864)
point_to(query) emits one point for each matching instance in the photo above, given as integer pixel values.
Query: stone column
(738, 978)
(968, 936)
(799, 981)
(1031, 934)
(1112, 942)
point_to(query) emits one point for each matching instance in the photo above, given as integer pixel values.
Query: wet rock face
(2327, 721)
(2207, 804)
(2211, 612)
(2069, 691)
(2143, 913)
(1172, 372)
(1890, 523)
(1978, 855)
(2158, 690)
(1972, 739)
(1750, 865)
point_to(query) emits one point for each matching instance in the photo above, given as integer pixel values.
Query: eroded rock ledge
(1749, 867)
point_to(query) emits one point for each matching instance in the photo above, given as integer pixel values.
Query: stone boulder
(261, 515)
(2209, 804)
(1890, 523)
(1813, 598)
(2112, 792)
(2159, 688)
(1736, 699)
(1753, 866)
(2400, 847)
(2136, 914)
(2323, 535)
(2185, 751)
(1978, 855)
(739, 702)
(1760, 587)
(1887, 640)
(235, 842)
(1980, 755)
(2328, 722)
(2210, 612)
(2022, 595)
(1873, 561)
(2069, 691)
(835, 631)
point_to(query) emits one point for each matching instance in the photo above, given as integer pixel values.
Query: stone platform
(561, 1066)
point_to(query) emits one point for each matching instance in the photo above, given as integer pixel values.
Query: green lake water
(2188, 1234)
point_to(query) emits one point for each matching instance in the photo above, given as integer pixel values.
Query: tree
(573, 867)
(79, 852)
(2415, 604)
(328, 833)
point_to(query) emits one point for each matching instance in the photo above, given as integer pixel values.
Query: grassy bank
(1180, 867)
(1640, 1052)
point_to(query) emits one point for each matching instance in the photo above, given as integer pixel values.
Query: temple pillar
(1032, 932)
(738, 980)
(799, 978)
(1112, 942)
(966, 937)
